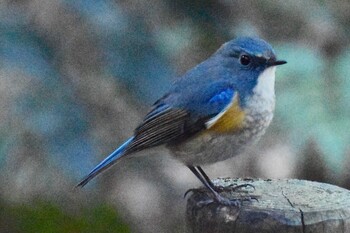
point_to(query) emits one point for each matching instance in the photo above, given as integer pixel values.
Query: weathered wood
(284, 206)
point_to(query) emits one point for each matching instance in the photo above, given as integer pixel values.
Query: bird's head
(251, 63)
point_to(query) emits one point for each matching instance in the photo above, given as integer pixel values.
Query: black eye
(244, 60)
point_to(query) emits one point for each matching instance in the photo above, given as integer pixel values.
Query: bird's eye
(244, 60)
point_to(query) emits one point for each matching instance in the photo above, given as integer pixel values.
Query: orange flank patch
(230, 121)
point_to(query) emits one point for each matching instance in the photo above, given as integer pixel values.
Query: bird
(213, 112)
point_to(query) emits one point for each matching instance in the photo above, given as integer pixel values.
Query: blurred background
(76, 77)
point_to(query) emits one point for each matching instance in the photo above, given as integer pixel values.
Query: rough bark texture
(281, 206)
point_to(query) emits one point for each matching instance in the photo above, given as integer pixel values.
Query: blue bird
(212, 113)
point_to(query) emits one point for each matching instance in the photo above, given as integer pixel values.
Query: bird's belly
(211, 147)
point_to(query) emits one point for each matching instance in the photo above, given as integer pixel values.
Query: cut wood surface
(281, 206)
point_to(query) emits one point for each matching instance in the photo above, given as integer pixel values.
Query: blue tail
(106, 163)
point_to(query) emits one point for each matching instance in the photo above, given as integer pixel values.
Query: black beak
(274, 62)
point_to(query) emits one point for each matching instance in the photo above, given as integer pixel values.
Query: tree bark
(280, 206)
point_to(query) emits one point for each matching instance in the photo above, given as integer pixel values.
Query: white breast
(265, 87)
(261, 103)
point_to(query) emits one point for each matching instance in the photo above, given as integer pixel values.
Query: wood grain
(282, 206)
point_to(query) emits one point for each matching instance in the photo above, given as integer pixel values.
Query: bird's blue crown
(252, 46)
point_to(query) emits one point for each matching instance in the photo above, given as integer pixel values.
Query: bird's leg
(205, 176)
(220, 188)
(217, 197)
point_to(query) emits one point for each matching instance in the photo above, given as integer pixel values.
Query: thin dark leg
(203, 180)
(219, 187)
(205, 176)
(217, 196)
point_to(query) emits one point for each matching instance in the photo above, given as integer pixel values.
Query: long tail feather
(106, 163)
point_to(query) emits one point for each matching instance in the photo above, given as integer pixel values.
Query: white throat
(265, 87)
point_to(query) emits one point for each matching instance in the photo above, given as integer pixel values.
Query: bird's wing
(162, 127)
(175, 119)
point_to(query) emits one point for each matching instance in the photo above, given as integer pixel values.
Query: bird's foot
(202, 190)
(235, 202)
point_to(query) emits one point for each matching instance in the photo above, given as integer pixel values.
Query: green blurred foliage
(48, 217)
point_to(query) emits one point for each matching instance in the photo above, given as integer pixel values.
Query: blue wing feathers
(224, 97)
(211, 102)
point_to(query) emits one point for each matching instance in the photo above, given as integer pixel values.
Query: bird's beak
(273, 62)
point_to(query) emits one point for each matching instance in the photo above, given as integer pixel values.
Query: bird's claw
(225, 201)
(201, 190)
(188, 191)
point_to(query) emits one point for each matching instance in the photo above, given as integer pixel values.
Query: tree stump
(281, 206)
